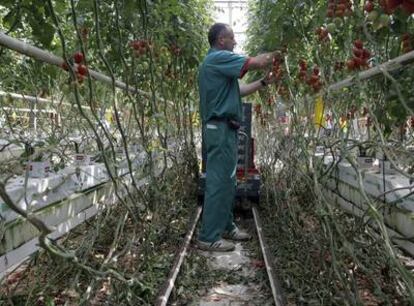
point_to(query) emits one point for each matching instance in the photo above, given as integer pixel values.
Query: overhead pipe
(24, 97)
(47, 57)
(33, 99)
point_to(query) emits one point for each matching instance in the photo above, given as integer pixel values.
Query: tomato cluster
(323, 34)
(312, 79)
(360, 56)
(389, 6)
(336, 12)
(277, 69)
(378, 13)
(303, 70)
(339, 8)
(140, 47)
(81, 70)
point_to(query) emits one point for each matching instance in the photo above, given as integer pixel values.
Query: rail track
(168, 286)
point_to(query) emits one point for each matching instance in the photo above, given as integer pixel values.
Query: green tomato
(331, 27)
(164, 51)
(145, 65)
(165, 54)
(372, 16)
(338, 21)
(384, 20)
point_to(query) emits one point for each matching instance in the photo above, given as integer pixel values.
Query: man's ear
(220, 40)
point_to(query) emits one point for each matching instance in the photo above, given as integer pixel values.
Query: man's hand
(265, 60)
(277, 55)
(247, 89)
(270, 78)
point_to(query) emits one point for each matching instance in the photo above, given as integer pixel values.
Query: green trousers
(220, 145)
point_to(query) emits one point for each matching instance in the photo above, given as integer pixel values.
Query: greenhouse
(206, 152)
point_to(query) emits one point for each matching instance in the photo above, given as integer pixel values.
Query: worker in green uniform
(221, 112)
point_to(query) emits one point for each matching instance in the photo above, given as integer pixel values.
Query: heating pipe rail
(274, 283)
(168, 286)
(33, 99)
(47, 57)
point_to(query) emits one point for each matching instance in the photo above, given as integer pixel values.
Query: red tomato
(82, 70)
(408, 6)
(78, 57)
(358, 44)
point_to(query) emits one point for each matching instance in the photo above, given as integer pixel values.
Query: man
(221, 110)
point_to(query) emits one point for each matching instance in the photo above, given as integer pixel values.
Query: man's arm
(255, 63)
(263, 60)
(248, 89)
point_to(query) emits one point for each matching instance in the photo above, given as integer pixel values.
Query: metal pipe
(165, 292)
(245, 160)
(47, 57)
(28, 110)
(274, 283)
(24, 97)
(34, 99)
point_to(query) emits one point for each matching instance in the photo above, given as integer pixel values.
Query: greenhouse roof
(233, 12)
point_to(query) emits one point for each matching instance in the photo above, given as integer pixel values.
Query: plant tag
(365, 162)
(82, 160)
(39, 169)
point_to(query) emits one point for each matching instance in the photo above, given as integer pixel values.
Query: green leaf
(9, 19)
(44, 33)
(7, 3)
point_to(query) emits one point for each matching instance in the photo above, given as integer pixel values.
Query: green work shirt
(219, 86)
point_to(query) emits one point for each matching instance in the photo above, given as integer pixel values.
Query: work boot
(237, 235)
(217, 246)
